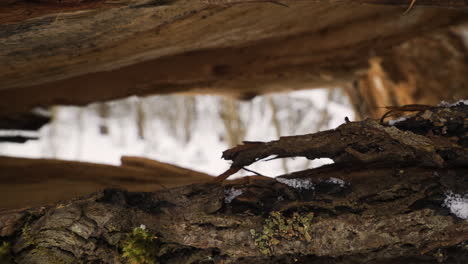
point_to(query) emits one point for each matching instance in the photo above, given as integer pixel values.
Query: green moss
(5, 253)
(141, 247)
(26, 232)
(277, 227)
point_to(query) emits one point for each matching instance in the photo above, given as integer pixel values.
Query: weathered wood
(146, 47)
(444, 3)
(355, 143)
(423, 70)
(156, 166)
(358, 212)
(16, 11)
(36, 182)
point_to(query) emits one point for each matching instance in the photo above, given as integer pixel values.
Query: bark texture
(423, 70)
(77, 52)
(383, 201)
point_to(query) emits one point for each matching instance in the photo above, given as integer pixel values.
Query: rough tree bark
(77, 52)
(383, 201)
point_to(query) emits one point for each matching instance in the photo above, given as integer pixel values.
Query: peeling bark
(362, 210)
(423, 70)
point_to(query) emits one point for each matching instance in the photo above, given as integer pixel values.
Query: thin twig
(410, 7)
(254, 172)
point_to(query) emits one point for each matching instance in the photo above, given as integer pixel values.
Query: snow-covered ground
(188, 131)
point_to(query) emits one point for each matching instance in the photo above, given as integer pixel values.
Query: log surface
(103, 50)
(360, 211)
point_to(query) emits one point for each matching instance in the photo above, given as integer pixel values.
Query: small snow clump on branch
(230, 194)
(297, 183)
(457, 204)
(393, 122)
(336, 181)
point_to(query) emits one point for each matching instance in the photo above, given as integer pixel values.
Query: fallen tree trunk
(399, 206)
(112, 49)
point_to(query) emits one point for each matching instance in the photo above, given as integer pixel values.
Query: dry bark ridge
(377, 204)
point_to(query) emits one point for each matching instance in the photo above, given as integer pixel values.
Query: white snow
(393, 122)
(75, 132)
(306, 184)
(336, 181)
(321, 162)
(457, 204)
(230, 194)
(41, 111)
(10, 133)
(271, 157)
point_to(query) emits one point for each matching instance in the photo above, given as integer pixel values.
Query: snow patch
(457, 204)
(12, 133)
(322, 162)
(447, 104)
(306, 184)
(271, 157)
(336, 181)
(393, 122)
(230, 194)
(77, 133)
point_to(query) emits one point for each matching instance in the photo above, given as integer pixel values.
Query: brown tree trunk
(77, 52)
(385, 200)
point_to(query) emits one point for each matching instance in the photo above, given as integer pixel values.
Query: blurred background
(190, 131)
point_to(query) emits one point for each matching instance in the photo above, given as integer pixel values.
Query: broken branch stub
(368, 142)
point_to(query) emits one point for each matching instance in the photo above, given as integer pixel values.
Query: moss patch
(278, 227)
(26, 232)
(5, 253)
(141, 247)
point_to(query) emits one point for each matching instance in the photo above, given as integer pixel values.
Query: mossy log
(393, 208)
